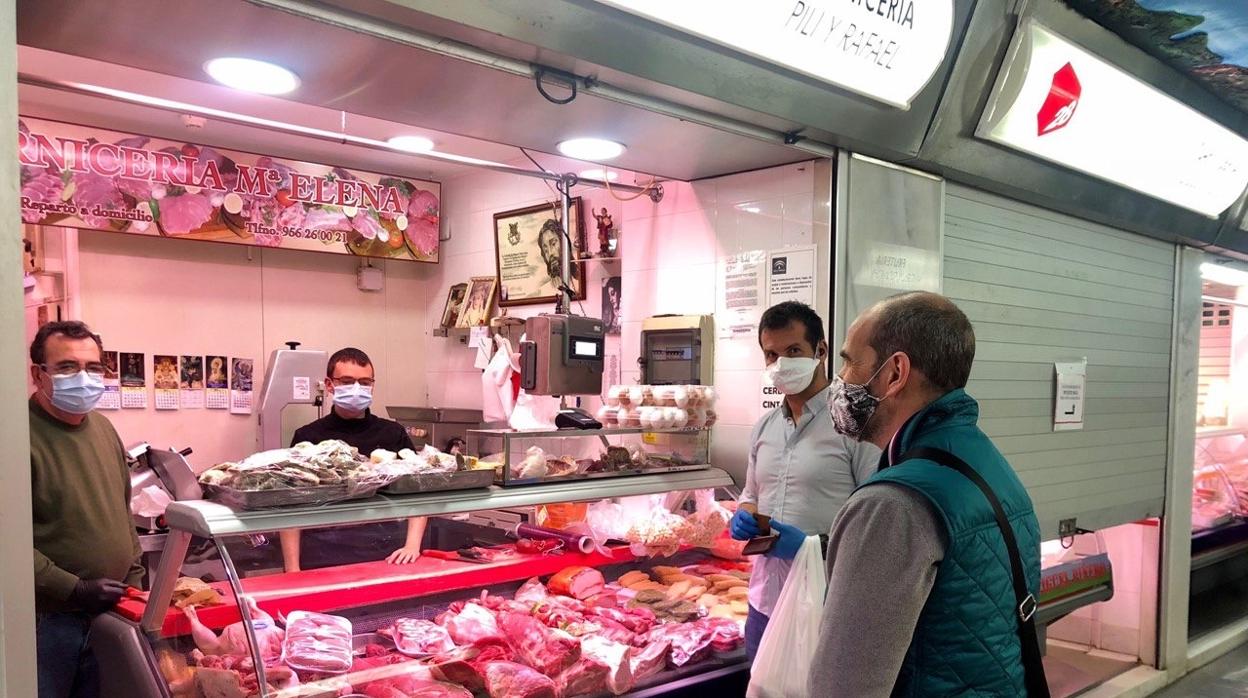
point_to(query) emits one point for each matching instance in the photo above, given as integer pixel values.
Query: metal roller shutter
(1042, 287)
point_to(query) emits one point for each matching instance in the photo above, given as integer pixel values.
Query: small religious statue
(607, 238)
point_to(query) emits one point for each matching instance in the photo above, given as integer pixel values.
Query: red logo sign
(1059, 107)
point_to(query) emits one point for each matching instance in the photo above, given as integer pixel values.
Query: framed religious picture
(454, 301)
(528, 254)
(478, 302)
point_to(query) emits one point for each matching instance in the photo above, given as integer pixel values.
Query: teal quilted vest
(966, 640)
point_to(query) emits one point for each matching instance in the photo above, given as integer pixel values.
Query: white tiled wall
(669, 251)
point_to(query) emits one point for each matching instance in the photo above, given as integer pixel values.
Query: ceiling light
(251, 75)
(411, 144)
(604, 175)
(1224, 274)
(591, 149)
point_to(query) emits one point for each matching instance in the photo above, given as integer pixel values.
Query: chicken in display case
(641, 590)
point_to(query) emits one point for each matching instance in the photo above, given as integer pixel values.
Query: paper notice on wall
(791, 275)
(111, 399)
(165, 381)
(900, 267)
(301, 389)
(240, 386)
(1069, 394)
(217, 383)
(133, 380)
(742, 285)
(191, 382)
(611, 371)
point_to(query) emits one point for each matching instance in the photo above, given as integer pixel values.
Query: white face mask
(792, 374)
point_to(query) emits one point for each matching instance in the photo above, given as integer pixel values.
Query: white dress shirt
(800, 473)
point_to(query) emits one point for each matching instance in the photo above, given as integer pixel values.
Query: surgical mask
(852, 406)
(792, 374)
(354, 397)
(77, 393)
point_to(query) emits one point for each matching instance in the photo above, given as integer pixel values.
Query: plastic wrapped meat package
(1214, 499)
(419, 638)
(317, 642)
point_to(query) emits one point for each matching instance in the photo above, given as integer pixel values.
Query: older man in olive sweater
(86, 550)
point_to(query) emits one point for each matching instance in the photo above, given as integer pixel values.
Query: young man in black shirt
(349, 381)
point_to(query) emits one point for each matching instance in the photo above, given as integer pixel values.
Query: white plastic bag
(782, 667)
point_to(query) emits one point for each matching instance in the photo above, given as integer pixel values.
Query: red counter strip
(347, 586)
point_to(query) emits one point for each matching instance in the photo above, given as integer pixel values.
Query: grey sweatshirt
(883, 553)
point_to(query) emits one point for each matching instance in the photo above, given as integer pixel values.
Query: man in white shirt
(800, 471)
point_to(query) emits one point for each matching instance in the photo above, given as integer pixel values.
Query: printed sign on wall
(84, 177)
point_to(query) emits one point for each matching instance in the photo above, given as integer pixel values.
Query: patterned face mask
(852, 405)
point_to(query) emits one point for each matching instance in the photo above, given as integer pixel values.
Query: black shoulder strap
(1033, 662)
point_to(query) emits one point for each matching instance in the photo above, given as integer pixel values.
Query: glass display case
(532, 457)
(640, 593)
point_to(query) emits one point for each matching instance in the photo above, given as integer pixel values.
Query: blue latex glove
(789, 542)
(743, 526)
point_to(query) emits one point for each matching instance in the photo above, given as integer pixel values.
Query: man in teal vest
(920, 598)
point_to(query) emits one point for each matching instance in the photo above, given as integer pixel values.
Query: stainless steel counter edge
(206, 519)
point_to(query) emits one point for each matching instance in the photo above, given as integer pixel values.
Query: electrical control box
(562, 355)
(677, 349)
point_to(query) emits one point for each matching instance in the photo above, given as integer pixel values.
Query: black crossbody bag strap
(1033, 661)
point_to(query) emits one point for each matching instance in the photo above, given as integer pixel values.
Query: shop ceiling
(694, 109)
(345, 71)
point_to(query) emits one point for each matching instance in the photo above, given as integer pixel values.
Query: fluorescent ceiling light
(591, 149)
(236, 117)
(411, 144)
(251, 75)
(604, 175)
(1222, 274)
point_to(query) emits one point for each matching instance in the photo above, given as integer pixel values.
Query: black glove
(97, 595)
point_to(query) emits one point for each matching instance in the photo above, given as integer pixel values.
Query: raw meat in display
(317, 642)
(638, 620)
(304, 465)
(511, 680)
(550, 652)
(532, 592)
(466, 667)
(577, 582)
(416, 689)
(587, 677)
(554, 615)
(412, 636)
(649, 661)
(233, 639)
(473, 625)
(613, 655)
(690, 641)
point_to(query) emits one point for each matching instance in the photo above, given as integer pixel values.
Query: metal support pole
(565, 245)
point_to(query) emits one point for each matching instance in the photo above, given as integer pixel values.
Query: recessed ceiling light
(605, 175)
(411, 144)
(591, 149)
(252, 75)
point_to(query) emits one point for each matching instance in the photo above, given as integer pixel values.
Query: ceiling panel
(346, 71)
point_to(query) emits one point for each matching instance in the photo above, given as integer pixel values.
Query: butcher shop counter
(614, 620)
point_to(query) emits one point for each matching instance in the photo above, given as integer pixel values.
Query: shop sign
(84, 177)
(883, 49)
(1058, 102)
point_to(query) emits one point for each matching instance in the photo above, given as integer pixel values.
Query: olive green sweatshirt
(80, 491)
